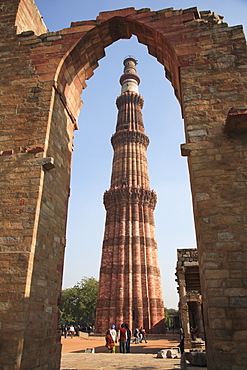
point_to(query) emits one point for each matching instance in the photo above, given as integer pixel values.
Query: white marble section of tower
(130, 80)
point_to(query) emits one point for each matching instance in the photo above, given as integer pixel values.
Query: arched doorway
(92, 159)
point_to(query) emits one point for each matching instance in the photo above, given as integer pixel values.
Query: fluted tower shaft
(130, 285)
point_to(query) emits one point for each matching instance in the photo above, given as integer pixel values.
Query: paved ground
(118, 361)
(143, 355)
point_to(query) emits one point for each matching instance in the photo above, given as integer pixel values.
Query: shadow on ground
(137, 349)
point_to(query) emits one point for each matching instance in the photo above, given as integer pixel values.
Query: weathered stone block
(196, 358)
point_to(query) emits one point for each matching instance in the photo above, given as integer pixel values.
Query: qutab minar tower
(130, 284)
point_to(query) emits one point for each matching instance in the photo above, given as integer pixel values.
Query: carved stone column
(200, 319)
(183, 307)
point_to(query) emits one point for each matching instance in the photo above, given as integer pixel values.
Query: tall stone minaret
(130, 285)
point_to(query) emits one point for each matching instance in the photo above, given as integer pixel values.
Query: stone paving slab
(116, 361)
(143, 356)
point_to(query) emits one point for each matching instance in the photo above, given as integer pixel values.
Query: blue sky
(92, 157)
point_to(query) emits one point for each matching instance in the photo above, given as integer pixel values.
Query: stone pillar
(183, 308)
(199, 319)
(184, 311)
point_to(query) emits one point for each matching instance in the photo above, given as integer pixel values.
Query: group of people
(123, 336)
(140, 335)
(72, 330)
(69, 330)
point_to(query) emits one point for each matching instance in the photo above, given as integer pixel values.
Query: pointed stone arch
(80, 62)
(205, 60)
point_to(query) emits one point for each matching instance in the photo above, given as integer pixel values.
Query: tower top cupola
(129, 79)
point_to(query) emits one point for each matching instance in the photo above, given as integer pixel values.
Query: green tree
(79, 303)
(169, 317)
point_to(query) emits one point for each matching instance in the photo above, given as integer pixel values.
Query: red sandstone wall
(33, 208)
(29, 18)
(8, 13)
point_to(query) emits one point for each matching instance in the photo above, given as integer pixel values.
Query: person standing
(136, 335)
(114, 337)
(72, 331)
(181, 346)
(65, 331)
(110, 344)
(143, 334)
(122, 335)
(140, 335)
(128, 338)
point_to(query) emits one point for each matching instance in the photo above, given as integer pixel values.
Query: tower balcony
(128, 195)
(125, 137)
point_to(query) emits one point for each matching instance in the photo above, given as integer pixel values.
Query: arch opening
(162, 119)
(81, 61)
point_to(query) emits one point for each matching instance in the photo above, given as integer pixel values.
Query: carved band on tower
(130, 284)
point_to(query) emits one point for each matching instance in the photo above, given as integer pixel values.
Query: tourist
(136, 335)
(140, 335)
(122, 336)
(114, 337)
(194, 333)
(143, 335)
(181, 346)
(128, 338)
(72, 331)
(181, 333)
(65, 330)
(110, 343)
